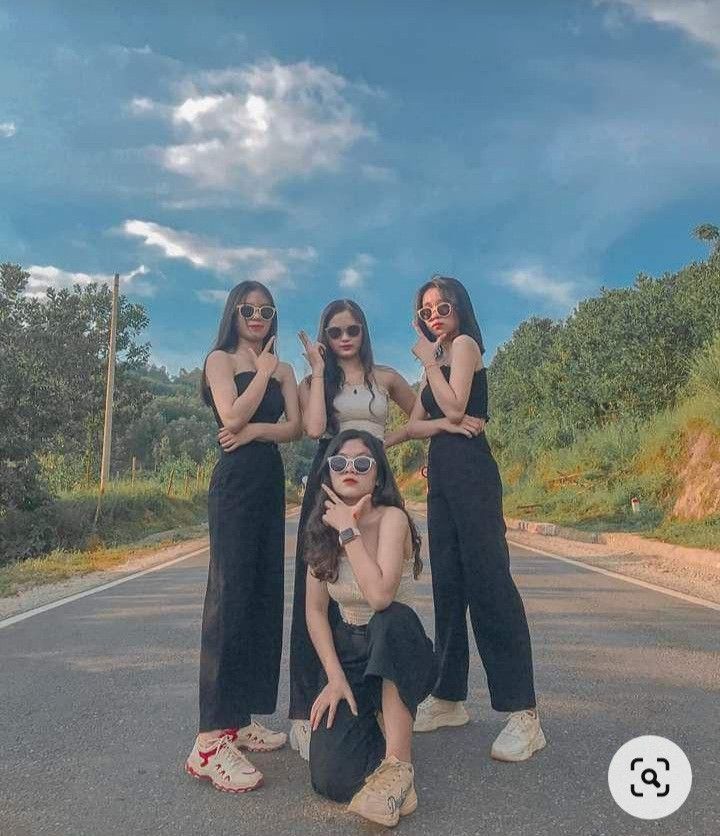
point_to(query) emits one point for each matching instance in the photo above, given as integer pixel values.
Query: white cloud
(7, 129)
(43, 278)
(270, 266)
(533, 282)
(355, 274)
(251, 128)
(698, 19)
(212, 296)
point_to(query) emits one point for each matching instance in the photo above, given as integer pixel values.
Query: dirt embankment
(700, 479)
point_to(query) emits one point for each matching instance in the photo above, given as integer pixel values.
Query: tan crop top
(356, 409)
(354, 609)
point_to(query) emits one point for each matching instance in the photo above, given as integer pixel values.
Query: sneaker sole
(248, 747)
(198, 777)
(538, 743)
(443, 721)
(295, 745)
(409, 806)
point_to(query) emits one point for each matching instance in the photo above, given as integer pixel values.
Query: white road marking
(14, 619)
(690, 599)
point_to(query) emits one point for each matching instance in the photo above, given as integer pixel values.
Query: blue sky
(537, 151)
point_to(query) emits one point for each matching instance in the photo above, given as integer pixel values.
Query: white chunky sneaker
(300, 738)
(521, 737)
(256, 738)
(434, 713)
(223, 765)
(387, 794)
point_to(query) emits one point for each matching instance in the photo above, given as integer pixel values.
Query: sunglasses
(442, 309)
(247, 311)
(360, 464)
(334, 332)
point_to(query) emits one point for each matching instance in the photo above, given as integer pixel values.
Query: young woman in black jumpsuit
(345, 390)
(248, 390)
(468, 551)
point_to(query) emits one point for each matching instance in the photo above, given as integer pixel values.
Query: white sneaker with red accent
(224, 765)
(256, 738)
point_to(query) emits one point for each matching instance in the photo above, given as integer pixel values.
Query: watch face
(346, 535)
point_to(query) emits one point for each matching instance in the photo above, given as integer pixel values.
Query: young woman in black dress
(248, 390)
(345, 390)
(468, 550)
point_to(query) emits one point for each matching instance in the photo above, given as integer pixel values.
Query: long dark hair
(228, 335)
(322, 549)
(333, 374)
(454, 292)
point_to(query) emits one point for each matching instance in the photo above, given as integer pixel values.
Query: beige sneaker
(520, 739)
(300, 732)
(388, 793)
(223, 765)
(434, 713)
(256, 738)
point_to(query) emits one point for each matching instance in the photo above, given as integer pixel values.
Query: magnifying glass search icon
(653, 780)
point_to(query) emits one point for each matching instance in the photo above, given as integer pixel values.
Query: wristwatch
(347, 535)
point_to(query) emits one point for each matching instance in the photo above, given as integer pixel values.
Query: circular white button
(650, 777)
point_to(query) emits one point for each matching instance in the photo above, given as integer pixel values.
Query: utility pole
(107, 433)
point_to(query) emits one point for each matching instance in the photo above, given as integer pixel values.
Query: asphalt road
(98, 711)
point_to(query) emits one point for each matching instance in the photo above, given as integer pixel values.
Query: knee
(329, 777)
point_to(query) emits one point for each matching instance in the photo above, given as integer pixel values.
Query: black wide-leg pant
(392, 646)
(471, 568)
(241, 640)
(305, 667)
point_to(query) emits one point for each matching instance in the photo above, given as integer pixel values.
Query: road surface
(98, 711)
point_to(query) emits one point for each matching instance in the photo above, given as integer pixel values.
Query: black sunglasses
(334, 332)
(247, 311)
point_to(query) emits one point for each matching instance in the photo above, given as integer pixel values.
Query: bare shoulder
(218, 357)
(219, 361)
(466, 341)
(465, 345)
(393, 518)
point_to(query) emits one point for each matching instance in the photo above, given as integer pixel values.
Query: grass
(61, 565)
(590, 484)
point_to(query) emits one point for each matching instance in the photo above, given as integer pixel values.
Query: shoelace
(228, 755)
(519, 720)
(382, 779)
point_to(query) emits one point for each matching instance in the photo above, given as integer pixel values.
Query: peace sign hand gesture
(266, 362)
(340, 516)
(424, 349)
(314, 353)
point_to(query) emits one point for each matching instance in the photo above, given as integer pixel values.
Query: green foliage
(621, 355)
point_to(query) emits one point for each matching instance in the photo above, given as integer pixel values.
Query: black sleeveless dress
(243, 613)
(470, 564)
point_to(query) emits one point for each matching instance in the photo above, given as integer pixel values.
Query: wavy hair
(321, 548)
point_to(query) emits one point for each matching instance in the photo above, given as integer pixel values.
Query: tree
(53, 358)
(708, 233)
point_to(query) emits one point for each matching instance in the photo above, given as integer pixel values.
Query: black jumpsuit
(242, 618)
(305, 667)
(470, 565)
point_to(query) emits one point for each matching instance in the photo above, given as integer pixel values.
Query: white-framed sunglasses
(359, 464)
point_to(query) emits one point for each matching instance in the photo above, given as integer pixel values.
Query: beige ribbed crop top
(356, 409)
(354, 609)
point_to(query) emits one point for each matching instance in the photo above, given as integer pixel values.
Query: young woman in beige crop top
(362, 549)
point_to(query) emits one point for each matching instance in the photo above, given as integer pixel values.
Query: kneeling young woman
(363, 550)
